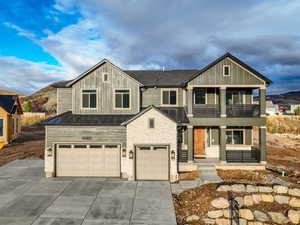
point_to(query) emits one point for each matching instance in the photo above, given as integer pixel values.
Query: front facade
(146, 125)
(10, 118)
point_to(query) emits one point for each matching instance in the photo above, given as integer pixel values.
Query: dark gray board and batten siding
(85, 134)
(64, 100)
(153, 96)
(214, 76)
(105, 101)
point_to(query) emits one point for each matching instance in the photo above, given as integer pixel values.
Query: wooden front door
(199, 141)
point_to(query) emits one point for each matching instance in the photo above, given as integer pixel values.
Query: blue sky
(50, 40)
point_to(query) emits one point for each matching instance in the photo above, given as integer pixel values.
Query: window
(234, 137)
(226, 70)
(151, 123)
(200, 96)
(122, 99)
(89, 99)
(65, 146)
(1, 127)
(80, 146)
(105, 77)
(95, 146)
(235, 97)
(169, 97)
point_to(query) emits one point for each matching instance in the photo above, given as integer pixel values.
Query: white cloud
(20, 31)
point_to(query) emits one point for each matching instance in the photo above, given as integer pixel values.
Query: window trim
(236, 129)
(194, 94)
(81, 102)
(149, 123)
(114, 98)
(161, 97)
(3, 134)
(229, 70)
(103, 74)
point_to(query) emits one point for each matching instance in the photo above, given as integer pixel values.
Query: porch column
(262, 143)
(190, 101)
(222, 152)
(223, 101)
(262, 101)
(190, 130)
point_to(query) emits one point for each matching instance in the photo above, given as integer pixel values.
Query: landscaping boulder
(255, 223)
(278, 217)
(251, 188)
(238, 188)
(294, 216)
(256, 198)
(220, 203)
(294, 192)
(281, 199)
(248, 200)
(243, 221)
(215, 214)
(267, 198)
(246, 214)
(224, 188)
(192, 218)
(295, 202)
(227, 213)
(208, 221)
(222, 221)
(264, 189)
(261, 216)
(240, 201)
(279, 189)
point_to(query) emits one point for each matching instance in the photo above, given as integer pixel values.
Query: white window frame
(81, 102)
(229, 70)
(194, 94)
(161, 96)
(1, 118)
(103, 75)
(149, 122)
(235, 129)
(114, 100)
(243, 93)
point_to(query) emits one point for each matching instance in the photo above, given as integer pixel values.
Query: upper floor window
(105, 77)
(169, 97)
(89, 99)
(1, 127)
(122, 99)
(226, 70)
(234, 137)
(151, 123)
(235, 97)
(200, 96)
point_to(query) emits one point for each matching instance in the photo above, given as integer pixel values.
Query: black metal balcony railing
(243, 156)
(206, 111)
(245, 110)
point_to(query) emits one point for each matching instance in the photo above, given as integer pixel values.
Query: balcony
(243, 156)
(206, 110)
(243, 110)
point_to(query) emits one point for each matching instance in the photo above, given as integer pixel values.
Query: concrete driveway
(26, 197)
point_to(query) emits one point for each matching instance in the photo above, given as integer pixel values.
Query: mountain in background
(289, 98)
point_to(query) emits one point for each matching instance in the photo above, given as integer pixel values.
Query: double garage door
(88, 160)
(152, 163)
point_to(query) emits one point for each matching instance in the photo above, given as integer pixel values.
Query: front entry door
(199, 141)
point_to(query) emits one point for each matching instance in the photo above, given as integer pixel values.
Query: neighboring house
(10, 118)
(148, 125)
(271, 108)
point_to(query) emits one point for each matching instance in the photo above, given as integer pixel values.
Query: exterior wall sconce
(49, 152)
(131, 154)
(123, 152)
(173, 154)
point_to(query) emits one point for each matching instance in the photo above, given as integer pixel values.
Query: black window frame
(122, 94)
(2, 127)
(89, 93)
(169, 102)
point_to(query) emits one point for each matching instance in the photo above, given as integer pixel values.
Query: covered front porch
(223, 145)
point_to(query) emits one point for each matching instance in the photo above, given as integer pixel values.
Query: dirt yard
(30, 144)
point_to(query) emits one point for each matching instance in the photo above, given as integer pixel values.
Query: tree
(27, 107)
(297, 111)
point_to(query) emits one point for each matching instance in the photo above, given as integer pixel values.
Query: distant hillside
(292, 97)
(5, 92)
(44, 100)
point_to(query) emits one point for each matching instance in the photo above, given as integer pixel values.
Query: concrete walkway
(27, 198)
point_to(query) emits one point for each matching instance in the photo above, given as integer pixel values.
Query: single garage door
(80, 160)
(152, 163)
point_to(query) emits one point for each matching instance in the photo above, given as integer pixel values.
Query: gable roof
(235, 59)
(69, 84)
(8, 103)
(176, 115)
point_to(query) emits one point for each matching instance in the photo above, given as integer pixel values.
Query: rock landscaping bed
(258, 204)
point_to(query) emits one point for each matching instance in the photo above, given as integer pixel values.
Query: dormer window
(105, 77)
(226, 70)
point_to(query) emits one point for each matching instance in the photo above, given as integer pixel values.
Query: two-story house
(147, 124)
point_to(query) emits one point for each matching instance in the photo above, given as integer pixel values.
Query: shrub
(297, 111)
(27, 107)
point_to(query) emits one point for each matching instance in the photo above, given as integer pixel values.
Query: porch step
(208, 174)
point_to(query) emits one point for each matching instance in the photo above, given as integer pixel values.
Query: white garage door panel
(97, 162)
(152, 164)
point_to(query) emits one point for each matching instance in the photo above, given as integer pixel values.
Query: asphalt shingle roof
(7, 102)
